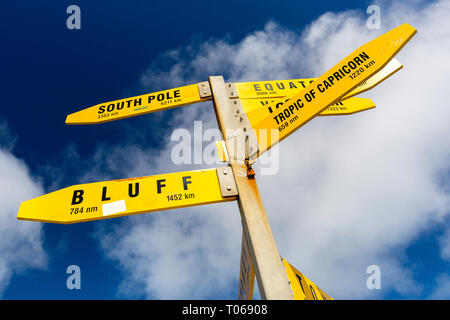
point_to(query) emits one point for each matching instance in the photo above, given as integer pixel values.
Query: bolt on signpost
(246, 113)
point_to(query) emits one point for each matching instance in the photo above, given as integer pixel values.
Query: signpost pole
(272, 279)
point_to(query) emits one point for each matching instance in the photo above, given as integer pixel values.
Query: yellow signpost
(243, 111)
(116, 198)
(303, 288)
(353, 70)
(143, 104)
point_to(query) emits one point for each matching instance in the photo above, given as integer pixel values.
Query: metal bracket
(232, 92)
(226, 182)
(204, 89)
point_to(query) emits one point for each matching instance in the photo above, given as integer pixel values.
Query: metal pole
(272, 279)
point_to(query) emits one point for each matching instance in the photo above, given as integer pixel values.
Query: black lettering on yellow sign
(291, 109)
(160, 97)
(280, 85)
(263, 88)
(104, 197)
(77, 197)
(186, 182)
(132, 194)
(313, 292)
(78, 210)
(265, 103)
(159, 185)
(300, 280)
(120, 105)
(134, 191)
(164, 96)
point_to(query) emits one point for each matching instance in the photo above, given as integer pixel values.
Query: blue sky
(123, 49)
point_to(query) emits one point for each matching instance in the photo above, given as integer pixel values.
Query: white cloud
(442, 290)
(444, 242)
(178, 254)
(351, 191)
(20, 241)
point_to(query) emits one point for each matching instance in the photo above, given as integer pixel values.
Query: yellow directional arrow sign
(285, 88)
(134, 106)
(302, 287)
(333, 85)
(117, 198)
